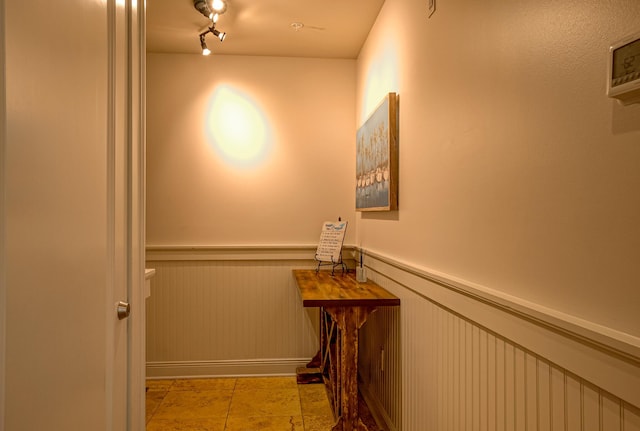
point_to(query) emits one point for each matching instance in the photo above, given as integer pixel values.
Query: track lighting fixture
(212, 9)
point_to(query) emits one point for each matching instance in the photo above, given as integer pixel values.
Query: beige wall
(302, 109)
(517, 173)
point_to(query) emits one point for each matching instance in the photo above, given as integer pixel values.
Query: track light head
(212, 9)
(219, 34)
(203, 8)
(203, 45)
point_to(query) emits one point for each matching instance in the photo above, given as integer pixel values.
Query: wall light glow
(237, 128)
(382, 78)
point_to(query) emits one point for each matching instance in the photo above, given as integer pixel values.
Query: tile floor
(237, 404)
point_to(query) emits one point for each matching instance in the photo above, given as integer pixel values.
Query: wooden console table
(345, 305)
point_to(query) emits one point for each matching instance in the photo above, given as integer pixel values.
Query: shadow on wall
(625, 119)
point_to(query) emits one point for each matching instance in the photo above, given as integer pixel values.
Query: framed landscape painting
(377, 159)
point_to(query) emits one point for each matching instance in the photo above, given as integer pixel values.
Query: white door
(73, 215)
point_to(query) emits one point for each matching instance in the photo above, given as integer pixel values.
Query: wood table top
(321, 289)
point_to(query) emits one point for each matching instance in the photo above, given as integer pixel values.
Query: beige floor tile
(159, 384)
(266, 383)
(152, 402)
(201, 424)
(245, 404)
(314, 401)
(318, 423)
(191, 404)
(265, 402)
(204, 384)
(265, 423)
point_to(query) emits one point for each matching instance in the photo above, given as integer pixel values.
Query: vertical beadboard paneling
(227, 311)
(543, 395)
(491, 382)
(460, 376)
(519, 389)
(558, 399)
(468, 360)
(531, 392)
(631, 418)
(573, 405)
(380, 365)
(590, 408)
(501, 386)
(610, 413)
(510, 385)
(425, 367)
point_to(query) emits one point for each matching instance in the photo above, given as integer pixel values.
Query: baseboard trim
(235, 368)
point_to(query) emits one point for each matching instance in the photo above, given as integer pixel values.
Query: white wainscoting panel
(447, 359)
(441, 370)
(227, 317)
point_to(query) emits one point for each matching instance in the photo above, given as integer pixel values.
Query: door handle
(124, 309)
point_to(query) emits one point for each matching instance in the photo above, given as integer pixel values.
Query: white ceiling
(332, 28)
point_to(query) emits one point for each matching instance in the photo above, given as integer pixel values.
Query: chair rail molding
(601, 355)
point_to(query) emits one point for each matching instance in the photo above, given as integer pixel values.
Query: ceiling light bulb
(219, 6)
(215, 17)
(206, 51)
